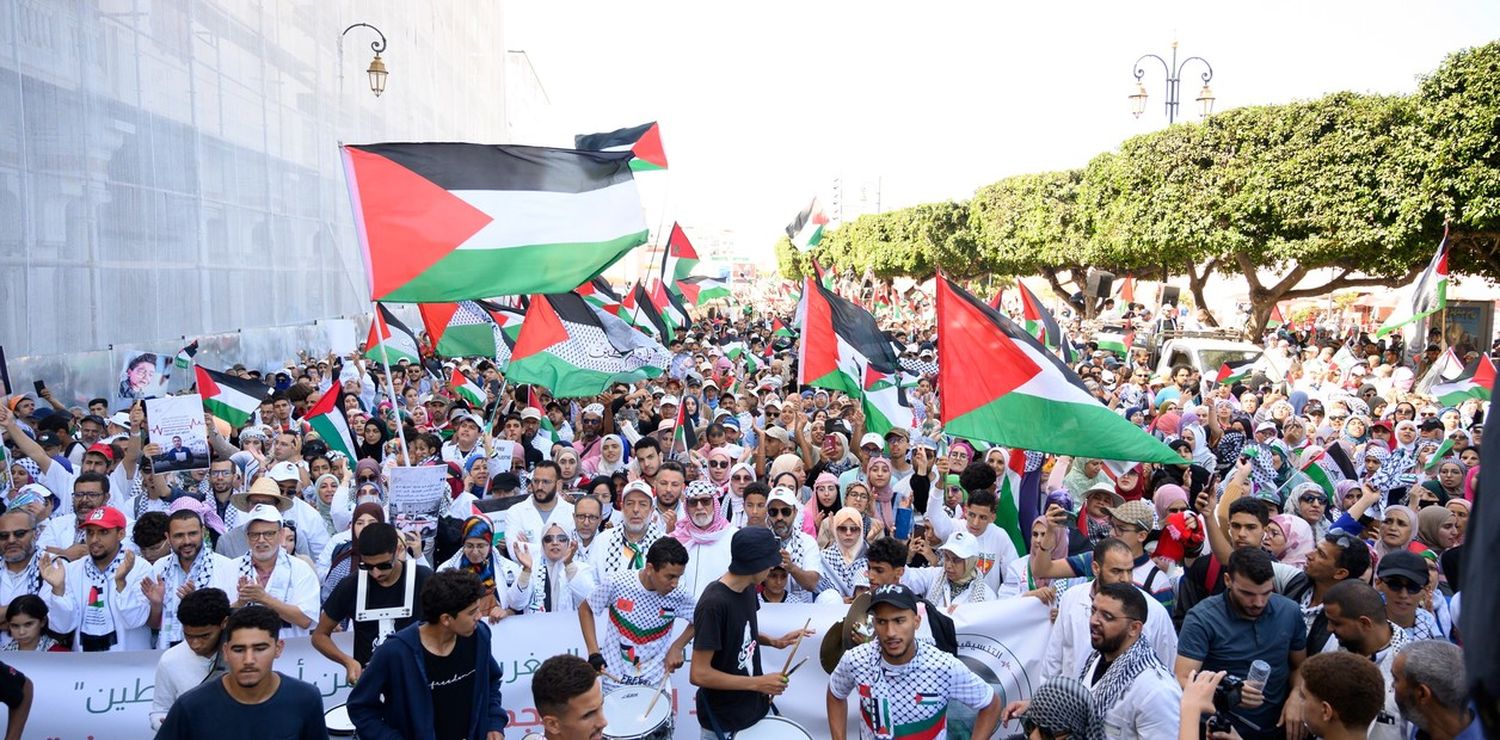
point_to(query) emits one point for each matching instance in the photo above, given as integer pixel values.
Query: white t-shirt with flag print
(638, 627)
(906, 701)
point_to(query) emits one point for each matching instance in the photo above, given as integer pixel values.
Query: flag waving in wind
(327, 419)
(999, 385)
(841, 342)
(1476, 380)
(390, 341)
(678, 259)
(806, 230)
(576, 349)
(232, 399)
(451, 222)
(1039, 321)
(643, 142)
(1426, 296)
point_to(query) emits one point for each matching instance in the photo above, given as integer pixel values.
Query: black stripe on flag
(626, 137)
(458, 166)
(1017, 335)
(860, 330)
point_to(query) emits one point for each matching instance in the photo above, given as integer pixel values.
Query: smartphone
(40, 385)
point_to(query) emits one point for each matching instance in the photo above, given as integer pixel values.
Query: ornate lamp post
(1173, 71)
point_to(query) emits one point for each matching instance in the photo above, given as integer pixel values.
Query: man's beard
(781, 529)
(543, 498)
(1105, 645)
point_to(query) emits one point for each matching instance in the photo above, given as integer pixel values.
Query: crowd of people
(1297, 572)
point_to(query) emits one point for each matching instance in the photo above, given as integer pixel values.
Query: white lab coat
(1068, 647)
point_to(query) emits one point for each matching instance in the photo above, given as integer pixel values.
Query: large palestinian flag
(1426, 296)
(463, 329)
(643, 142)
(806, 230)
(450, 222)
(999, 385)
(679, 258)
(390, 341)
(232, 399)
(576, 349)
(1039, 321)
(327, 419)
(841, 342)
(699, 289)
(1475, 381)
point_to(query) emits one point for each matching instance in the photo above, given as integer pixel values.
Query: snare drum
(337, 721)
(625, 711)
(773, 728)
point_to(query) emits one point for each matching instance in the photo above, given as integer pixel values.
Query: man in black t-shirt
(15, 692)
(386, 601)
(732, 692)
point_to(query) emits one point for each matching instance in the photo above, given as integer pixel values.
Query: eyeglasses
(220, 473)
(266, 535)
(780, 511)
(481, 547)
(554, 539)
(1104, 615)
(848, 530)
(718, 463)
(14, 534)
(585, 517)
(88, 494)
(387, 565)
(1402, 584)
(741, 478)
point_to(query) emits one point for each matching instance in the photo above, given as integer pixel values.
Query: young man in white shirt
(201, 615)
(105, 606)
(526, 521)
(1134, 692)
(995, 547)
(1068, 646)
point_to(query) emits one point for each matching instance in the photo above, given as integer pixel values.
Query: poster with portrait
(142, 375)
(175, 425)
(416, 500)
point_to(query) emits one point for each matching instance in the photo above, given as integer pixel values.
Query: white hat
(771, 401)
(121, 418)
(637, 486)
(872, 438)
(668, 400)
(531, 412)
(454, 419)
(283, 471)
(784, 495)
(263, 513)
(962, 544)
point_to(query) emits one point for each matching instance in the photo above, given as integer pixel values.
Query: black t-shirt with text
(725, 622)
(451, 678)
(341, 605)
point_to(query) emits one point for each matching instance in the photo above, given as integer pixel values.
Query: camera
(1226, 697)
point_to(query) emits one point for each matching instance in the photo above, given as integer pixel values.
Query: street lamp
(377, 71)
(1173, 70)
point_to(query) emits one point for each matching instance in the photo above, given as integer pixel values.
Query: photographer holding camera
(1340, 696)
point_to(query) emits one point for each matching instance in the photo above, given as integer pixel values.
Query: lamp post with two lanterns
(1174, 85)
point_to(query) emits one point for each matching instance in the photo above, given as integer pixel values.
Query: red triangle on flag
(872, 376)
(979, 363)
(410, 223)
(325, 405)
(207, 388)
(678, 244)
(1484, 374)
(649, 147)
(819, 343)
(379, 332)
(541, 329)
(435, 317)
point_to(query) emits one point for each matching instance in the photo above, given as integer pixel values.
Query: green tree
(1029, 224)
(1459, 106)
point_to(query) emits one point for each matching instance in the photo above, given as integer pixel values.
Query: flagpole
(390, 388)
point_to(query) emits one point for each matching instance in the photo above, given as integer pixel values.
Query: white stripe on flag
(555, 218)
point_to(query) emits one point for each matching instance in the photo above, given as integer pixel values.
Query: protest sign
(142, 374)
(175, 424)
(416, 499)
(340, 333)
(109, 694)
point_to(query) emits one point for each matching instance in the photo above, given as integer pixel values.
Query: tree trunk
(1196, 283)
(1263, 298)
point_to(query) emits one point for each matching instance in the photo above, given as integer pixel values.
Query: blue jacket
(398, 672)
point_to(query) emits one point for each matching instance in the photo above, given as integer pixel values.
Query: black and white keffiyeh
(1119, 676)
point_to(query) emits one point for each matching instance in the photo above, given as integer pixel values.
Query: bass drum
(773, 728)
(338, 723)
(625, 711)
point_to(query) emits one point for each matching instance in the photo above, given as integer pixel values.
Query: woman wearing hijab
(1192, 430)
(844, 558)
(1078, 475)
(826, 503)
(552, 580)
(790, 464)
(732, 503)
(1131, 485)
(497, 572)
(836, 455)
(1437, 528)
(340, 557)
(372, 439)
(857, 496)
(1398, 472)
(719, 463)
(957, 581)
(1398, 530)
(1449, 483)
(1461, 508)
(1289, 539)
(878, 474)
(607, 459)
(1019, 580)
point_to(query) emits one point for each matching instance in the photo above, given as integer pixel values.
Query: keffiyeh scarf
(96, 617)
(201, 575)
(1118, 678)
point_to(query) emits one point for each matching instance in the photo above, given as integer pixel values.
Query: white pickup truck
(1207, 354)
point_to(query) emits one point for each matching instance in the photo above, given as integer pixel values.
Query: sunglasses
(705, 502)
(554, 539)
(387, 565)
(1402, 584)
(718, 463)
(1311, 498)
(848, 530)
(780, 511)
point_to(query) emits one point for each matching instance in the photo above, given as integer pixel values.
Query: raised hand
(53, 572)
(123, 572)
(155, 590)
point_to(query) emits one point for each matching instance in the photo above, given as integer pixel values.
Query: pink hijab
(1299, 539)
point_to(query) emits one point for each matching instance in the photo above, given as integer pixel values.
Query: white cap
(784, 495)
(264, 513)
(668, 400)
(962, 544)
(531, 412)
(454, 419)
(637, 486)
(121, 418)
(872, 438)
(284, 470)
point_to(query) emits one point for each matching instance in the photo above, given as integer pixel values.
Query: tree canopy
(1361, 184)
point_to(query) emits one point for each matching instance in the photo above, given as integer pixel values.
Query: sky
(762, 105)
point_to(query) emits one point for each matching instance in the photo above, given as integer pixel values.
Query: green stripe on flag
(465, 273)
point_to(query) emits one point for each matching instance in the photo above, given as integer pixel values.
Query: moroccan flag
(232, 399)
(390, 341)
(639, 311)
(1001, 386)
(467, 389)
(577, 350)
(679, 258)
(1475, 381)
(327, 419)
(1234, 372)
(643, 142)
(885, 403)
(1426, 296)
(599, 292)
(451, 222)
(839, 342)
(463, 329)
(806, 230)
(700, 290)
(1039, 321)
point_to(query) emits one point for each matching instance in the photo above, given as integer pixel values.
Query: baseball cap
(962, 544)
(637, 486)
(1265, 426)
(784, 495)
(100, 448)
(1403, 564)
(435, 398)
(463, 416)
(752, 550)
(730, 420)
(894, 594)
(264, 513)
(108, 517)
(1138, 513)
(668, 400)
(531, 412)
(1115, 499)
(505, 482)
(872, 438)
(120, 419)
(778, 434)
(283, 471)
(897, 432)
(48, 439)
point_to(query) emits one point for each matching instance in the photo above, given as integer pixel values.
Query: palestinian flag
(1312, 467)
(467, 389)
(1276, 320)
(671, 308)
(779, 329)
(639, 311)
(450, 222)
(999, 297)
(700, 290)
(683, 433)
(184, 359)
(577, 350)
(327, 419)
(463, 329)
(679, 258)
(1475, 381)
(643, 142)
(599, 292)
(508, 320)
(1127, 289)
(885, 403)
(1426, 296)
(839, 342)
(1039, 322)
(1235, 372)
(390, 341)
(1115, 341)
(1439, 454)
(1003, 387)
(806, 230)
(232, 399)
(1447, 368)
(1008, 492)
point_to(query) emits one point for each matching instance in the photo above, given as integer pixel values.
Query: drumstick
(795, 667)
(659, 691)
(605, 674)
(796, 645)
